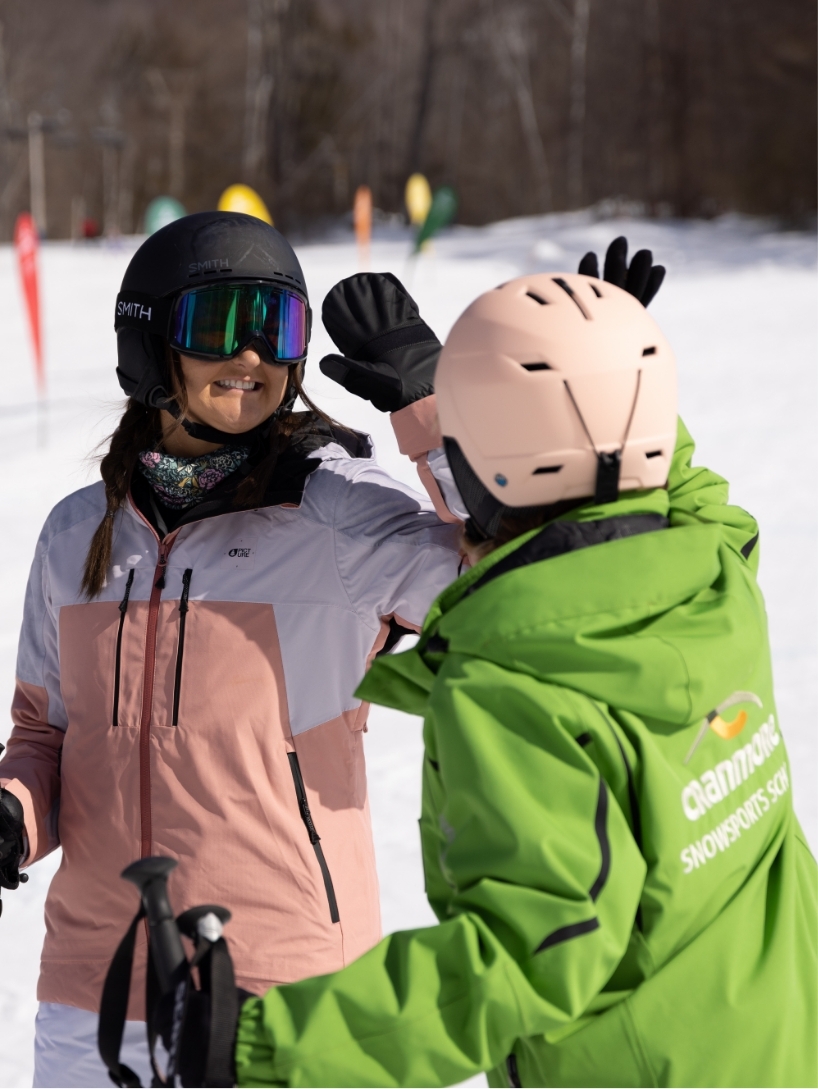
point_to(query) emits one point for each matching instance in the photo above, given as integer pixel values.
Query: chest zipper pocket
(315, 839)
(123, 608)
(180, 650)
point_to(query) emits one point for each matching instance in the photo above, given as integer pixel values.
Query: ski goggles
(218, 321)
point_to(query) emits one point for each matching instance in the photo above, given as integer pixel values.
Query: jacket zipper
(183, 607)
(147, 698)
(123, 608)
(315, 839)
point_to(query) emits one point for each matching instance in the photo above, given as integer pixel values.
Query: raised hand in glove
(642, 278)
(11, 841)
(388, 352)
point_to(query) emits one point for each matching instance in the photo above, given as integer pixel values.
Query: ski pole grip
(150, 875)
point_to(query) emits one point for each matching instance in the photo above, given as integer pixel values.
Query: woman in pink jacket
(197, 621)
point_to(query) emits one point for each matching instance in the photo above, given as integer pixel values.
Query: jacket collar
(286, 486)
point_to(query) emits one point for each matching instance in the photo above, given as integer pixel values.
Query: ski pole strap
(114, 1009)
(153, 995)
(217, 978)
(207, 1038)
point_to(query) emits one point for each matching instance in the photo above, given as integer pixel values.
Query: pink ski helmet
(555, 387)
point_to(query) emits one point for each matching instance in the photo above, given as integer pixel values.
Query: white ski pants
(65, 1049)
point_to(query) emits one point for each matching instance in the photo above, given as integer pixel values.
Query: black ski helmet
(200, 248)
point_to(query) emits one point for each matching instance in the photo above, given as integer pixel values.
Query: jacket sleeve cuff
(30, 768)
(30, 841)
(433, 489)
(416, 427)
(254, 1053)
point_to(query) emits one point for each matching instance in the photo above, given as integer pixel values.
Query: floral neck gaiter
(182, 482)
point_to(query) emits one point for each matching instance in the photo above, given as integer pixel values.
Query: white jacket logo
(716, 783)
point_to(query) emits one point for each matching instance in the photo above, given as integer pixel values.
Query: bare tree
(511, 49)
(110, 136)
(654, 101)
(575, 22)
(36, 170)
(173, 91)
(263, 40)
(428, 60)
(127, 159)
(457, 95)
(579, 49)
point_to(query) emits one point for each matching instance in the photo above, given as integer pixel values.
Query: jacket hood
(664, 624)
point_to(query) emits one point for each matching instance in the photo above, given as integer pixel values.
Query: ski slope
(738, 306)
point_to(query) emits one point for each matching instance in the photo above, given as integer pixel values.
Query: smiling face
(233, 396)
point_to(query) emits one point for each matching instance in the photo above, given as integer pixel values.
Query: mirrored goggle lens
(291, 327)
(220, 320)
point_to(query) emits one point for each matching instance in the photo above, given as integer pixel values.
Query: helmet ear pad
(485, 511)
(142, 369)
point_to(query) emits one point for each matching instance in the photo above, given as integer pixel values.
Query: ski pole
(150, 875)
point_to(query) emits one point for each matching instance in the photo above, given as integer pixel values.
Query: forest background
(654, 107)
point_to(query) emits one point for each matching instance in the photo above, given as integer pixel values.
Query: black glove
(643, 279)
(11, 841)
(388, 352)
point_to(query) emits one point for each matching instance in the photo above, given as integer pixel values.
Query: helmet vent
(546, 469)
(569, 291)
(537, 298)
(649, 351)
(536, 366)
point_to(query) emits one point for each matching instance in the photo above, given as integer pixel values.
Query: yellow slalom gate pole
(241, 198)
(418, 198)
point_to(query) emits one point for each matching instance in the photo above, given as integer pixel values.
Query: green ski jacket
(624, 893)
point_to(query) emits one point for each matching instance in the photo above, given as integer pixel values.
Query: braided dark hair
(139, 429)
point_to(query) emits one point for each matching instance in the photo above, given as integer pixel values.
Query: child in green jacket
(624, 893)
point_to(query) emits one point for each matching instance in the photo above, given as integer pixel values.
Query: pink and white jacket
(202, 707)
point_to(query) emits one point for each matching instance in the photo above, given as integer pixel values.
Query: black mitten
(642, 279)
(11, 840)
(388, 352)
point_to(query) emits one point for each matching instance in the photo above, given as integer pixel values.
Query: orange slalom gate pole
(362, 220)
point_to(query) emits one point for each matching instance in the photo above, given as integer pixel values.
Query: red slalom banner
(27, 244)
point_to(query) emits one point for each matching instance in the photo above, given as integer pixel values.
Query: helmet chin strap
(227, 438)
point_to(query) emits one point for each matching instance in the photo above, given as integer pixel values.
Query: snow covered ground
(738, 306)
